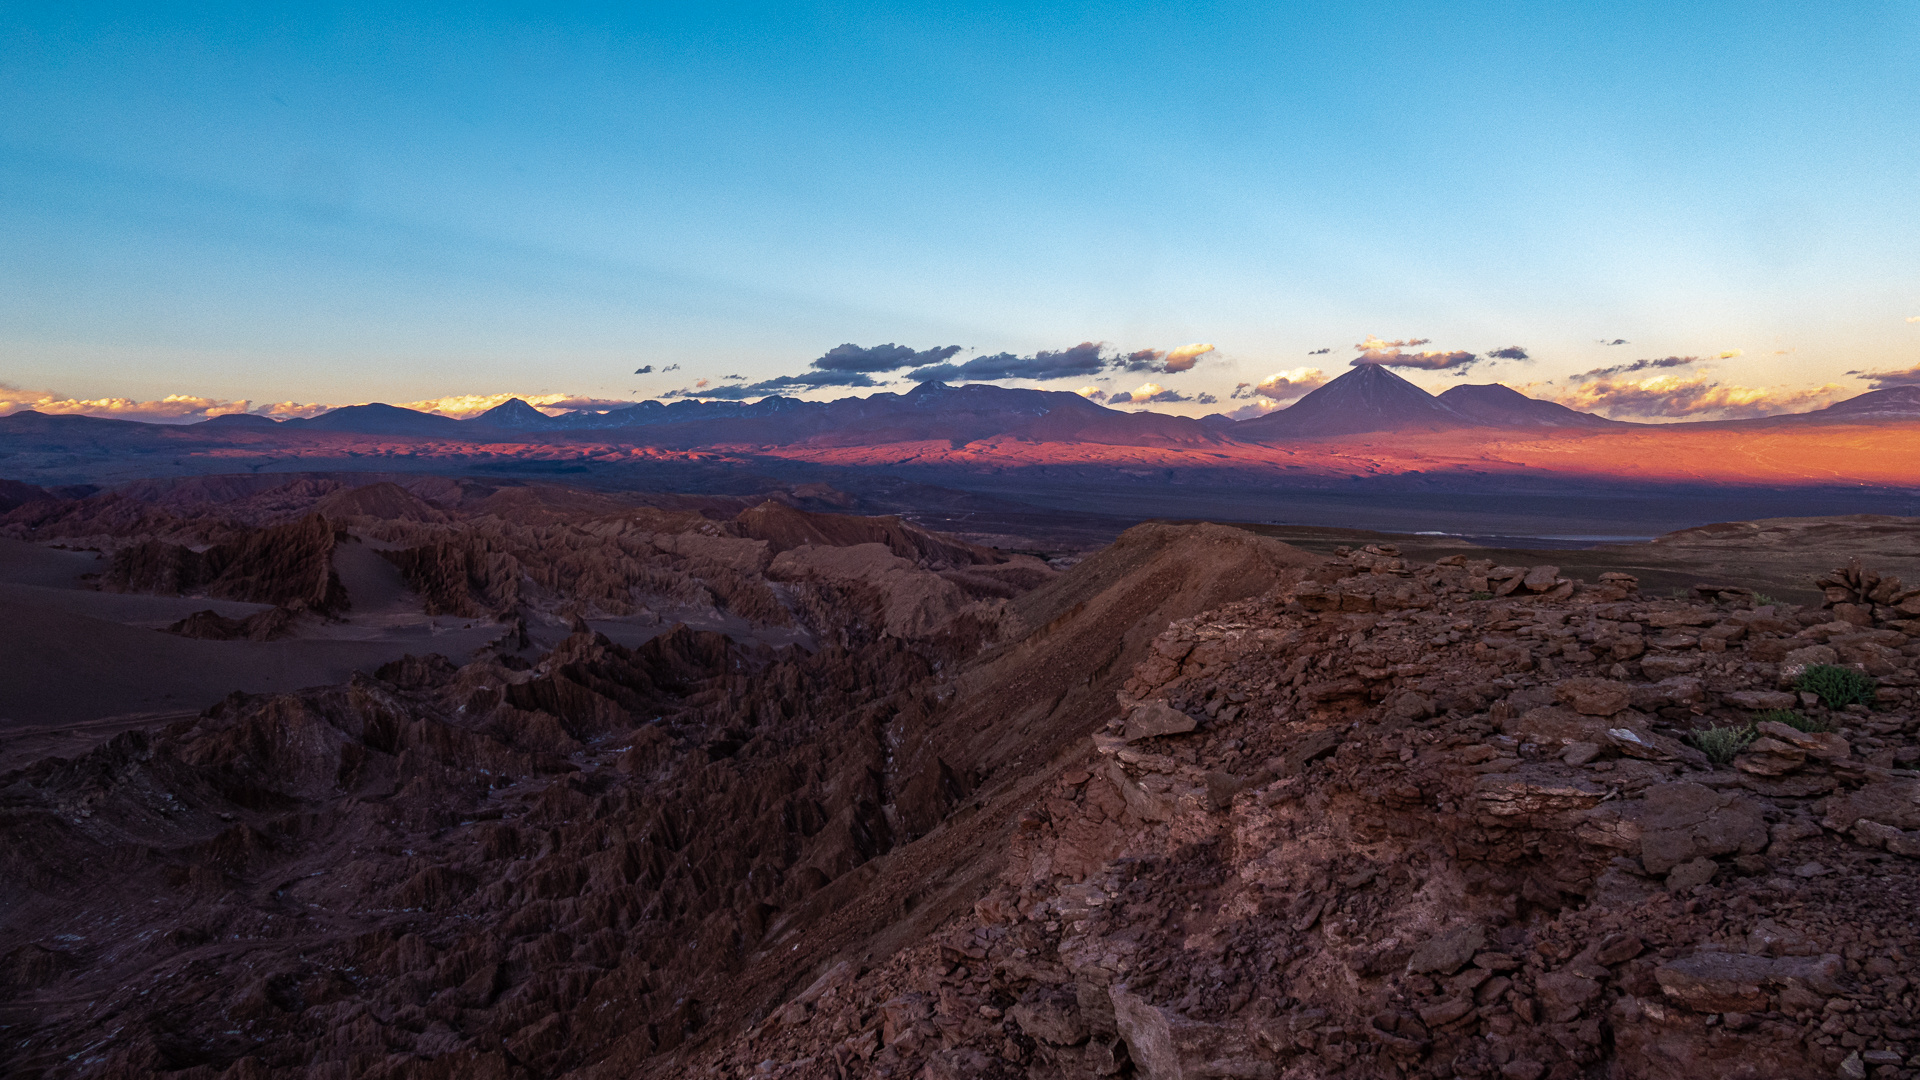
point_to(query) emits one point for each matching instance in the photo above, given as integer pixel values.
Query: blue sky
(338, 204)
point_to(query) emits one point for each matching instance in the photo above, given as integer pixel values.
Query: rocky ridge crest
(1386, 823)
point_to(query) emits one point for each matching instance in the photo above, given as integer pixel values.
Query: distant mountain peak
(1902, 401)
(1497, 405)
(513, 413)
(379, 418)
(1367, 398)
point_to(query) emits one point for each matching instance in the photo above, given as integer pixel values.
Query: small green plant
(1761, 599)
(1837, 686)
(1793, 720)
(1720, 744)
(1483, 595)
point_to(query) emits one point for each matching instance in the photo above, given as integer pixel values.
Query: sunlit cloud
(1184, 357)
(1393, 354)
(1690, 397)
(1913, 318)
(462, 406)
(1258, 407)
(172, 409)
(1282, 386)
(189, 408)
(1154, 393)
(1731, 353)
(1092, 393)
(1169, 362)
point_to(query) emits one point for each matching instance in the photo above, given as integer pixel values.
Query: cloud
(172, 409)
(188, 408)
(1913, 318)
(781, 384)
(1170, 362)
(1676, 396)
(1615, 341)
(1260, 407)
(1511, 352)
(1319, 352)
(1184, 357)
(1140, 360)
(461, 406)
(1154, 393)
(644, 369)
(1637, 365)
(888, 357)
(1282, 385)
(1092, 393)
(1731, 353)
(1429, 361)
(1393, 354)
(1082, 360)
(1881, 380)
(671, 367)
(288, 410)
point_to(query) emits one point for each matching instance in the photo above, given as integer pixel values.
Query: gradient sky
(339, 205)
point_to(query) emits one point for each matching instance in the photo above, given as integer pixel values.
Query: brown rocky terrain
(1204, 805)
(1370, 825)
(484, 870)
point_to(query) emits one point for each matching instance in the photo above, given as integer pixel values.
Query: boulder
(1157, 718)
(1553, 725)
(1051, 1014)
(1526, 793)
(1565, 994)
(1797, 661)
(1595, 697)
(1875, 835)
(1681, 822)
(1818, 745)
(1666, 667)
(1737, 982)
(1760, 700)
(1770, 757)
(1691, 873)
(1145, 805)
(1542, 578)
(1889, 802)
(899, 1014)
(1449, 952)
(1166, 1045)
(1678, 690)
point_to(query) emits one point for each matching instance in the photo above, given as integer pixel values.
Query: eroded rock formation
(1204, 806)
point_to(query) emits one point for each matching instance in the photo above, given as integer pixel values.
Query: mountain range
(1367, 399)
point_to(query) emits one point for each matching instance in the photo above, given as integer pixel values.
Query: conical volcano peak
(514, 413)
(1368, 398)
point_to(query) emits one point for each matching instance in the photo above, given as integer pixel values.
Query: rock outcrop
(1370, 825)
(288, 566)
(1204, 806)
